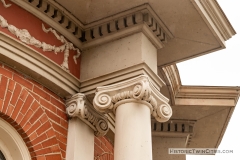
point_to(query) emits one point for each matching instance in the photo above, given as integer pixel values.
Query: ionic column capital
(139, 90)
(78, 106)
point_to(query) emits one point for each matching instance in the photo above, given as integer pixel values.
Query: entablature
(210, 106)
(205, 31)
(84, 36)
(174, 128)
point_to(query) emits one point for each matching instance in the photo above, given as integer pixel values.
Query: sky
(221, 68)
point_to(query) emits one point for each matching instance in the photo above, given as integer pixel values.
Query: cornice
(200, 96)
(28, 61)
(215, 17)
(53, 17)
(174, 128)
(137, 90)
(78, 106)
(172, 80)
(180, 92)
(209, 92)
(140, 19)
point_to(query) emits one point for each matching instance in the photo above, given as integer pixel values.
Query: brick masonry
(103, 149)
(39, 117)
(36, 113)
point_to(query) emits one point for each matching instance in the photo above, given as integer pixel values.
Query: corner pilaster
(78, 106)
(84, 123)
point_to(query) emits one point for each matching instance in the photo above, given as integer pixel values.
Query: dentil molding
(78, 106)
(174, 128)
(84, 36)
(138, 90)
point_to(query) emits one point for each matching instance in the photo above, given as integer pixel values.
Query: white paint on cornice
(180, 93)
(5, 5)
(218, 17)
(215, 18)
(26, 37)
(88, 36)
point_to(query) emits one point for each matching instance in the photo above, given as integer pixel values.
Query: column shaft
(133, 132)
(80, 144)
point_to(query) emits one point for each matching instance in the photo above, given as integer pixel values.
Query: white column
(80, 141)
(84, 124)
(133, 101)
(133, 140)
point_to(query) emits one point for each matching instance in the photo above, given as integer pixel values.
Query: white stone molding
(174, 128)
(11, 143)
(25, 37)
(28, 61)
(4, 4)
(141, 21)
(139, 90)
(78, 106)
(227, 96)
(215, 17)
(85, 36)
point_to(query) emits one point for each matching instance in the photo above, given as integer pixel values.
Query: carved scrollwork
(24, 36)
(139, 89)
(65, 47)
(77, 106)
(162, 113)
(4, 4)
(104, 102)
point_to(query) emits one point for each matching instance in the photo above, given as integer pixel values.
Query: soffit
(193, 27)
(193, 23)
(90, 11)
(210, 107)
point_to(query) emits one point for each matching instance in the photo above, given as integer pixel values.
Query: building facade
(97, 80)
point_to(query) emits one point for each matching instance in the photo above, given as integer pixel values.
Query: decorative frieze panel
(174, 128)
(24, 36)
(138, 90)
(78, 106)
(4, 4)
(64, 48)
(107, 29)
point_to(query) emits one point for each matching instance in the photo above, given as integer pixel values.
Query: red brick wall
(36, 113)
(39, 117)
(103, 149)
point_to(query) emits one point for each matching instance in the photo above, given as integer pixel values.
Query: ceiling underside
(193, 36)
